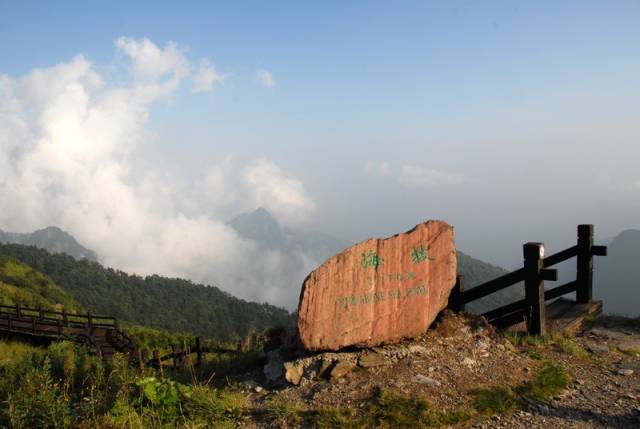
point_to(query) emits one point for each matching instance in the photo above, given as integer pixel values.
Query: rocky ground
(448, 365)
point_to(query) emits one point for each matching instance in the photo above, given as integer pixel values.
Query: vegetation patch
(390, 410)
(549, 382)
(494, 400)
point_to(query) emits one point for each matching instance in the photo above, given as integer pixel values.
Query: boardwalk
(101, 333)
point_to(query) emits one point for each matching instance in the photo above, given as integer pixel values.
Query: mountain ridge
(52, 239)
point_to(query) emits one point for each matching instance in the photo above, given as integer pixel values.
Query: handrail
(18, 309)
(491, 286)
(561, 256)
(534, 273)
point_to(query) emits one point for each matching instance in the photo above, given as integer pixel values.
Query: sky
(142, 128)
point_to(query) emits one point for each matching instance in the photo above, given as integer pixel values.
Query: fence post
(456, 295)
(175, 350)
(18, 310)
(89, 319)
(33, 324)
(584, 268)
(158, 362)
(40, 312)
(65, 318)
(199, 349)
(534, 288)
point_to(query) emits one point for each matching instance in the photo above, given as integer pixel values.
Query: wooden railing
(180, 354)
(60, 319)
(534, 273)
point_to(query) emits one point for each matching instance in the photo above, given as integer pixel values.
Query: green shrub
(38, 402)
(549, 382)
(495, 400)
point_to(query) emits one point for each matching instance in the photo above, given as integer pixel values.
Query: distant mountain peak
(52, 239)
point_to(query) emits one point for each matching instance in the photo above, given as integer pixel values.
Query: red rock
(379, 290)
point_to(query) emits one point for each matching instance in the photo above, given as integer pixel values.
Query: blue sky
(512, 120)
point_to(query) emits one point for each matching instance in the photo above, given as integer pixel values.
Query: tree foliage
(173, 304)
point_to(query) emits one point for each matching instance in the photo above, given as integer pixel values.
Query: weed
(495, 400)
(390, 410)
(281, 412)
(332, 418)
(568, 346)
(549, 382)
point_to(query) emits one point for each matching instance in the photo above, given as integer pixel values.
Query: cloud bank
(68, 139)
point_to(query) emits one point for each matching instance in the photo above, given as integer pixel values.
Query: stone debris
(632, 347)
(293, 372)
(625, 372)
(419, 378)
(368, 360)
(417, 349)
(468, 361)
(340, 369)
(598, 349)
(274, 369)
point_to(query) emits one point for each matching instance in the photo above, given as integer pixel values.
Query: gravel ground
(463, 353)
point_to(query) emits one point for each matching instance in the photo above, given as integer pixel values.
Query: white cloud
(265, 78)
(420, 177)
(280, 193)
(380, 169)
(206, 77)
(67, 142)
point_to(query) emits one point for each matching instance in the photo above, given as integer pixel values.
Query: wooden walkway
(564, 316)
(100, 333)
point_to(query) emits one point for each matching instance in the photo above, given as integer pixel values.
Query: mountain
(261, 227)
(175, 305)
(616, 278)
(52, 239)
(475, 273)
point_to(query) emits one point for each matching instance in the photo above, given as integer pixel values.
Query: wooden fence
(534, 273)
(47, 322)
(180, 354)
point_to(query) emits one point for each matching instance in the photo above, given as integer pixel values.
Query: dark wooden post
(40, 312)
(89, 319)
(534, 288)
(10, 321)
(59, 323)
(199, 349)
(33, 324)
(65, 318)
(584, 273)
(157, 361)
(175, 351)
(456, 295)
(143, 357)
(18, 310)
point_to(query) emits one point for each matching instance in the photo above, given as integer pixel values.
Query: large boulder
(379, 290)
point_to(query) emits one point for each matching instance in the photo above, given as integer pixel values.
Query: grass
(64, 384)
(551, 380)
(494, 400)
(391, 410)
(568, 346)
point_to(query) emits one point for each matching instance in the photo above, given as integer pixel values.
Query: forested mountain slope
(173, 304)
